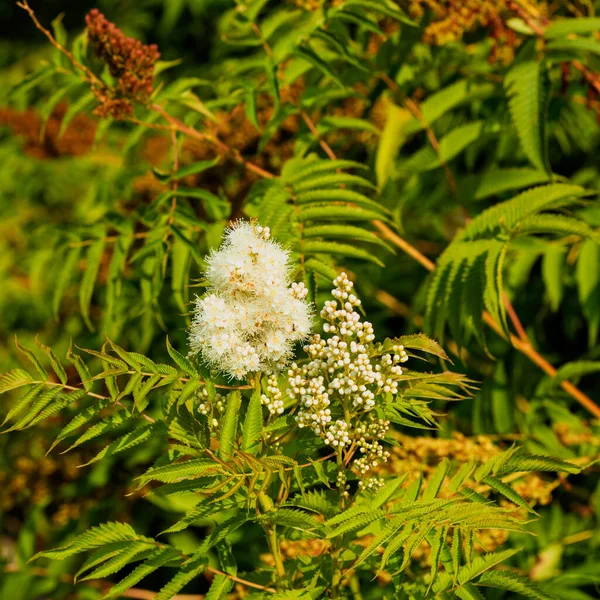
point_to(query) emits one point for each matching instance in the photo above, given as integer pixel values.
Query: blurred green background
(60, 192)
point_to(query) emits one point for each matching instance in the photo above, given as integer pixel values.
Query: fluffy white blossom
(253, 313)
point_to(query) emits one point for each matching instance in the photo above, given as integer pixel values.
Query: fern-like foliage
(238, 478)
(399, 518)
(525, 88)
(469, 275)
(321, 211)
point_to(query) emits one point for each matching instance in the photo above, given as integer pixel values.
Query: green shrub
(442, 154)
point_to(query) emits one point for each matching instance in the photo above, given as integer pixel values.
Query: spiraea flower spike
(339, 389)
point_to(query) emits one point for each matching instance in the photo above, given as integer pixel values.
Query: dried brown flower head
(129, 61)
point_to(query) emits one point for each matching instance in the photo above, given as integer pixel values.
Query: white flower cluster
(337, 434)
(372, 483)
(273, 401)
(253, 314)
(371, 450)
(208, 408)
(343, 379)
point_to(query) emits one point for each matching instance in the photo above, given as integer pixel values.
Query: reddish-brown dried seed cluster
(129, 61)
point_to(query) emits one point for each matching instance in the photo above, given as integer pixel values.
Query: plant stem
(178, 125)
(527, 349)
(89, 75)
(175, 183)
(355, 587)
(336, 577)
(267, 505)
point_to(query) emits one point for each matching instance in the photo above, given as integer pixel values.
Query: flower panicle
(341, 385)
(254, 313)
(129, 61)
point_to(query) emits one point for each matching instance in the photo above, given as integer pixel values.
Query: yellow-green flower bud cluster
(212, 409)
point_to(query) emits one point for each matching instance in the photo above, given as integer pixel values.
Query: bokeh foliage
(442, 152)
